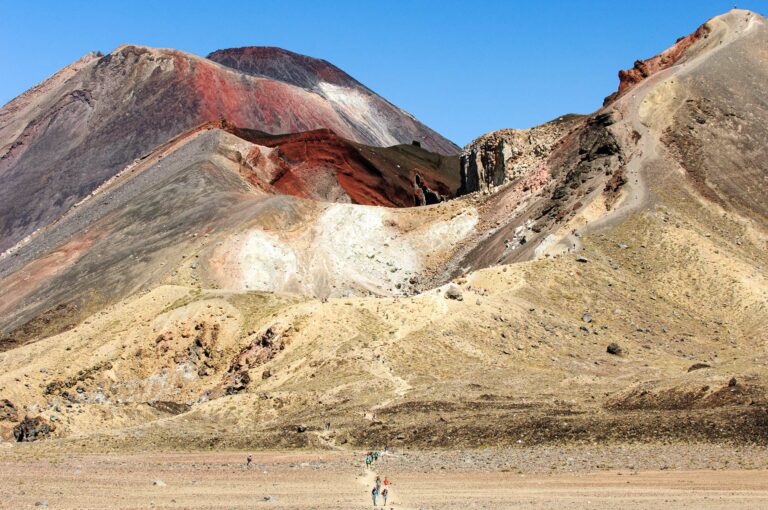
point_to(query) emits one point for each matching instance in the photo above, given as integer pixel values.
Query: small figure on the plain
(374, 494)
(368, 460)
(385, 495)
(378, 483)
(386, 482)
(248, 460)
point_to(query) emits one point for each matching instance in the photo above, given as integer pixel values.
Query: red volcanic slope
(399, 176)
(645, 68)
(349, 98)
(59, 142)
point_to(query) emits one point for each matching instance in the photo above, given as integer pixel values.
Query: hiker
(248, 460)
(374, 494)
(368, 461)
(385, 495)
(386, 482)
(378, 483)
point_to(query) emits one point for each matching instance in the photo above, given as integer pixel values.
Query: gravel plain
(632, 477)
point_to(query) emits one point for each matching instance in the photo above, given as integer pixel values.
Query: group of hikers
(381, 487)
(377, 490)
(374, 455)
(370, 458)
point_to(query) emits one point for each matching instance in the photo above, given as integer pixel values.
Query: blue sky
(463, 68)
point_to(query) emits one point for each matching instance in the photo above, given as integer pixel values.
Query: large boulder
(454, 292)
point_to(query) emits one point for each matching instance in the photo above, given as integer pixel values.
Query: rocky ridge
(502, 156)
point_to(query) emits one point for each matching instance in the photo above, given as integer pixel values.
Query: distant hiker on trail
(374, 494)
(368, 460)
(378, 483)
(386, 482)
(248, 460)
(385, 495)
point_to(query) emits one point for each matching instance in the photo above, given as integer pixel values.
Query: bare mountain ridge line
(284, 65)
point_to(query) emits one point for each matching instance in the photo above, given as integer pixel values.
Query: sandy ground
(336, 480)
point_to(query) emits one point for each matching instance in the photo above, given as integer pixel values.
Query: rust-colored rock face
(644, 68)
(321, 165)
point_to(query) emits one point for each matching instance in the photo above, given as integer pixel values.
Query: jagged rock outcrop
(262, 349)
(541, 199)
(592, 160)
(504, 155)
(644, 68)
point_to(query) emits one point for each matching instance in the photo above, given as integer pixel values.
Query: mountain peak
(280, 64)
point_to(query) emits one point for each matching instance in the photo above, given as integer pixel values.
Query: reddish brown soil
(21, 283)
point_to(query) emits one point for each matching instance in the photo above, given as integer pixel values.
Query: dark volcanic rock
(283, 65)
(170, 407)
(32, 429)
